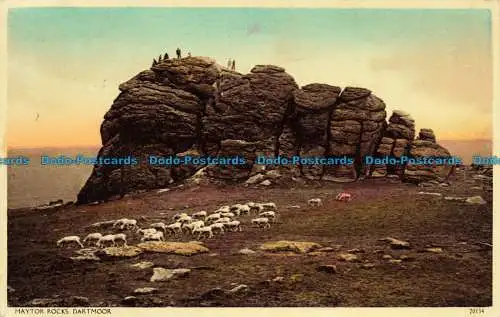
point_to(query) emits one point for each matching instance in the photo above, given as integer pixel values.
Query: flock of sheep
(200, 223)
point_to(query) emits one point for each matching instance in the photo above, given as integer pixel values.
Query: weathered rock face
(425, 172)
(193, 106)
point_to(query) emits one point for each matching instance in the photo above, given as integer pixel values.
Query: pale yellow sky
(442, 77)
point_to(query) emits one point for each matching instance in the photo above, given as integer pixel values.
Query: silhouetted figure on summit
(154, 62)
(178, 51)
(165, 57)
(233, 65)
(189, 54)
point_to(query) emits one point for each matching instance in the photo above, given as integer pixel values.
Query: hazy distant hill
(467, 148)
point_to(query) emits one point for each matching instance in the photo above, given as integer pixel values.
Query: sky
(65, 64)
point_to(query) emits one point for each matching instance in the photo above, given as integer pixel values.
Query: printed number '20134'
(473, 311)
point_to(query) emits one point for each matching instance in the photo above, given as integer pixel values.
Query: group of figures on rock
(166, 56)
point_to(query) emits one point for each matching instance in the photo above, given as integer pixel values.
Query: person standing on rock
(233, 65)
(165, 57)
(189, 54)
(178, 51)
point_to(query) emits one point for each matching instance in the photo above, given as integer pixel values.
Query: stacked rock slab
(395, 143)
(356, 126)
(426, 147)
(314, 104)
(250, 108)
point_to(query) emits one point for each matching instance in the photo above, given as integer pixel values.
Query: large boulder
(424, 172)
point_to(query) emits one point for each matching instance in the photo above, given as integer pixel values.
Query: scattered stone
(294, 246)
(257, 178)
(143, 265)
(378, 251)
(348, 257)
(145, 290)
(179, 248)
(425, 184)
(405, 257)
(273, 174)
(397, 244)
(213, 254)
(476, 187)
(454, 198)
(212, 294)
(278, 279)
(327, 268)
(328, 249)
(475, 200)
(295, 206)
(120, 252)
(434, 250)
(161, 274)
(130, 300)
(395, 261)
(387, 257)
(163, 190)
(89, 257)
(78, 301)
(430, 194)
(239, 288)
(247, 251)
(444, 185)
(266, 183)
(316, 253)
(44, 302)
(368, 266)
(355, 251)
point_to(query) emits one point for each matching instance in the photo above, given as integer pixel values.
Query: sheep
(195, 224)
(343, 197)
(223, 220)
(271, 206)
(202, 230)
(234, 225)
(200, 214)
(219, 226)
(129, 223)
(104, 239)
(224, 209)
(227, 214)
(69, 239)
(213, 217)
(146, 231)
(119, 222)
(244, 209)
(271, 214)
(184, 219)
(120, 236)
(157, 236)
(255, 206)
(262, 221)
(159, 225)
(314, 202)
(175, 227)
(177, 216)
(93, 236)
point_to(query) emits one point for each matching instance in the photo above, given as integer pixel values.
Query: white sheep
(68, 240)
(255, 206)
(159, 225)
(119, 222)
(177, 216)
(271, 206)
(184, 219)
(175, 228)
(266, 214)
(227, 214)
(202, 230)
(157, 236)
(199, 215)
(262, 222)
(234, 225)
(146, 231)
(195, 224)
(244, 209)
(92, 236)
(213, 217)
(224, 209)
(129, 223)
(223, 220)
(314, 202)
(104, 239)
(219, 226)
(120, 236)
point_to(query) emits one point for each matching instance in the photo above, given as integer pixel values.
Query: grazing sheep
(262, 222)
(244, 209)
(255, 206)
(68, 240)
(224, 209)
(213, 217)
(107, 238)
(313, 202)
(175, 228)
(180, 215)
(271, 214)
(199, 215)
(223, 220)
(271, 206)
(235, 225)
(119, 222)
(92, 236)
(157, 236)
(146, 231)
(120, 236)
(219, 226)
(227, 214)
(129, 223)
(195, 224)
(203, 230)
(343, 197)
(185, 219)
(159, 225)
